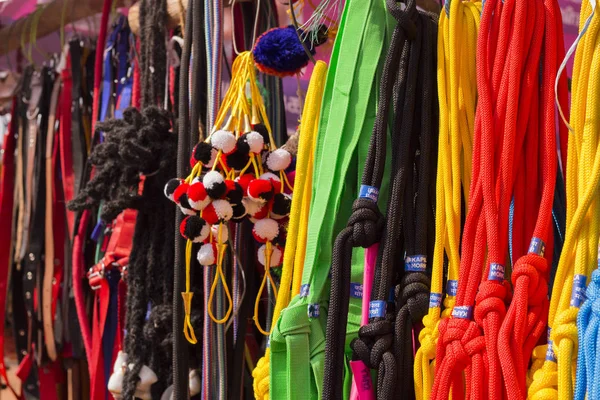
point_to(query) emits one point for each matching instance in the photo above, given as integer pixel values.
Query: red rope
(99, 60)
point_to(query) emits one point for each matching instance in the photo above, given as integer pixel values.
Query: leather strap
(66, 161)
(50, 281)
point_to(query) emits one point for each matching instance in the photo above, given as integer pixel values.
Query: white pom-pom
(275, 255)
(223, 209)
(213, 158)
(212, 178)
(204, 232)
(255, 141)
(265, 229)
(279, 160)
(207, 254)
(224, 233)
(223, 140)
(195, 383)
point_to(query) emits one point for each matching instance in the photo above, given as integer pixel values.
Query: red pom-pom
(260, 189)
(275, 181)
(244, 181)
(181, 189)
(197, 196)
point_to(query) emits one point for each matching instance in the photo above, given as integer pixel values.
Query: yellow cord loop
(457, 92)
(188, 329)
(266, 278)
(219, 275)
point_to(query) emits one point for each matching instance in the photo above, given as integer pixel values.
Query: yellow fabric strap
(457, 91)
(556, 381)
(293, 261)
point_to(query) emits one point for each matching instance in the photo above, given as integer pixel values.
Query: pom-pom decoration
(171, 187)
(275, 181)
(260, 190)
(280, 52)
(282, 205)
(234, 193)
(215, 184)
(179, 191)
(223, 140)
(254, 140)
(194, 228)
(239, 212)
(275, 258)
(279, 160)
(265, 230)
(202, 153)
(197, 196)
(224, 233)
(217, 211)
(207, 254)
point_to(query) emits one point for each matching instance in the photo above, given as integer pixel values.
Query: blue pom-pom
(279, 52)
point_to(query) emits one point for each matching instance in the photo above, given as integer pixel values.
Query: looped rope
(534, 268)
(405, 15)
(373, 342)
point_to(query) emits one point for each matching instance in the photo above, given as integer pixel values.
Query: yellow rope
(457, 91)
(293, 259)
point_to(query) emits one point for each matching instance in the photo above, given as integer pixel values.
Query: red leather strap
(78, 262)
(7, 175)
(100, 45)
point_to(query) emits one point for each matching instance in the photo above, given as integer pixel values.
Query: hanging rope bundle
(153, 51)
(507, 71)
(555, 378)
(385, 342)
(526, 318)
(457, 37)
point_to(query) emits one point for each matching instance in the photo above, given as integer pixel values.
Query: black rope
(386, 342)
(366, 222)
(180, 354)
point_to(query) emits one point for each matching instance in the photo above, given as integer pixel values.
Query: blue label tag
(462, 312)
(416, 263)
(304, 290)
(452, 287)
(435, 300)
(98, 229)
(578, 290)
(496, 272)
(377, 309)
(537, 246)
(356, 290)
(314, 310)
(368, 192)
(550, 356)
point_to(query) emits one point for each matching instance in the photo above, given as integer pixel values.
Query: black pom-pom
(237, 160)
(171, 186)
(260, 128)
(235, 196)
(239, 212)
(184, 202)
(282, 204)
(202, 152)
(242, 144)
(281, 236)
(192, 227)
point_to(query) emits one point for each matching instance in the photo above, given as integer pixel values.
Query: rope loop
(406, 15)
(415, 295)
(462, 339)
(535, 269)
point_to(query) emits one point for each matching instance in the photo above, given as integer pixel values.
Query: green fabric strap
(347, 115)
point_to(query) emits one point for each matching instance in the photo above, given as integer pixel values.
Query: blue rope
(588, 323)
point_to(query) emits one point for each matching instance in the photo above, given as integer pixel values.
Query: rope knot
(535, 269)
(462, 339)
(366, 222)
(415, 294)
(374, 340)
(565, 328)
(491, 297)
